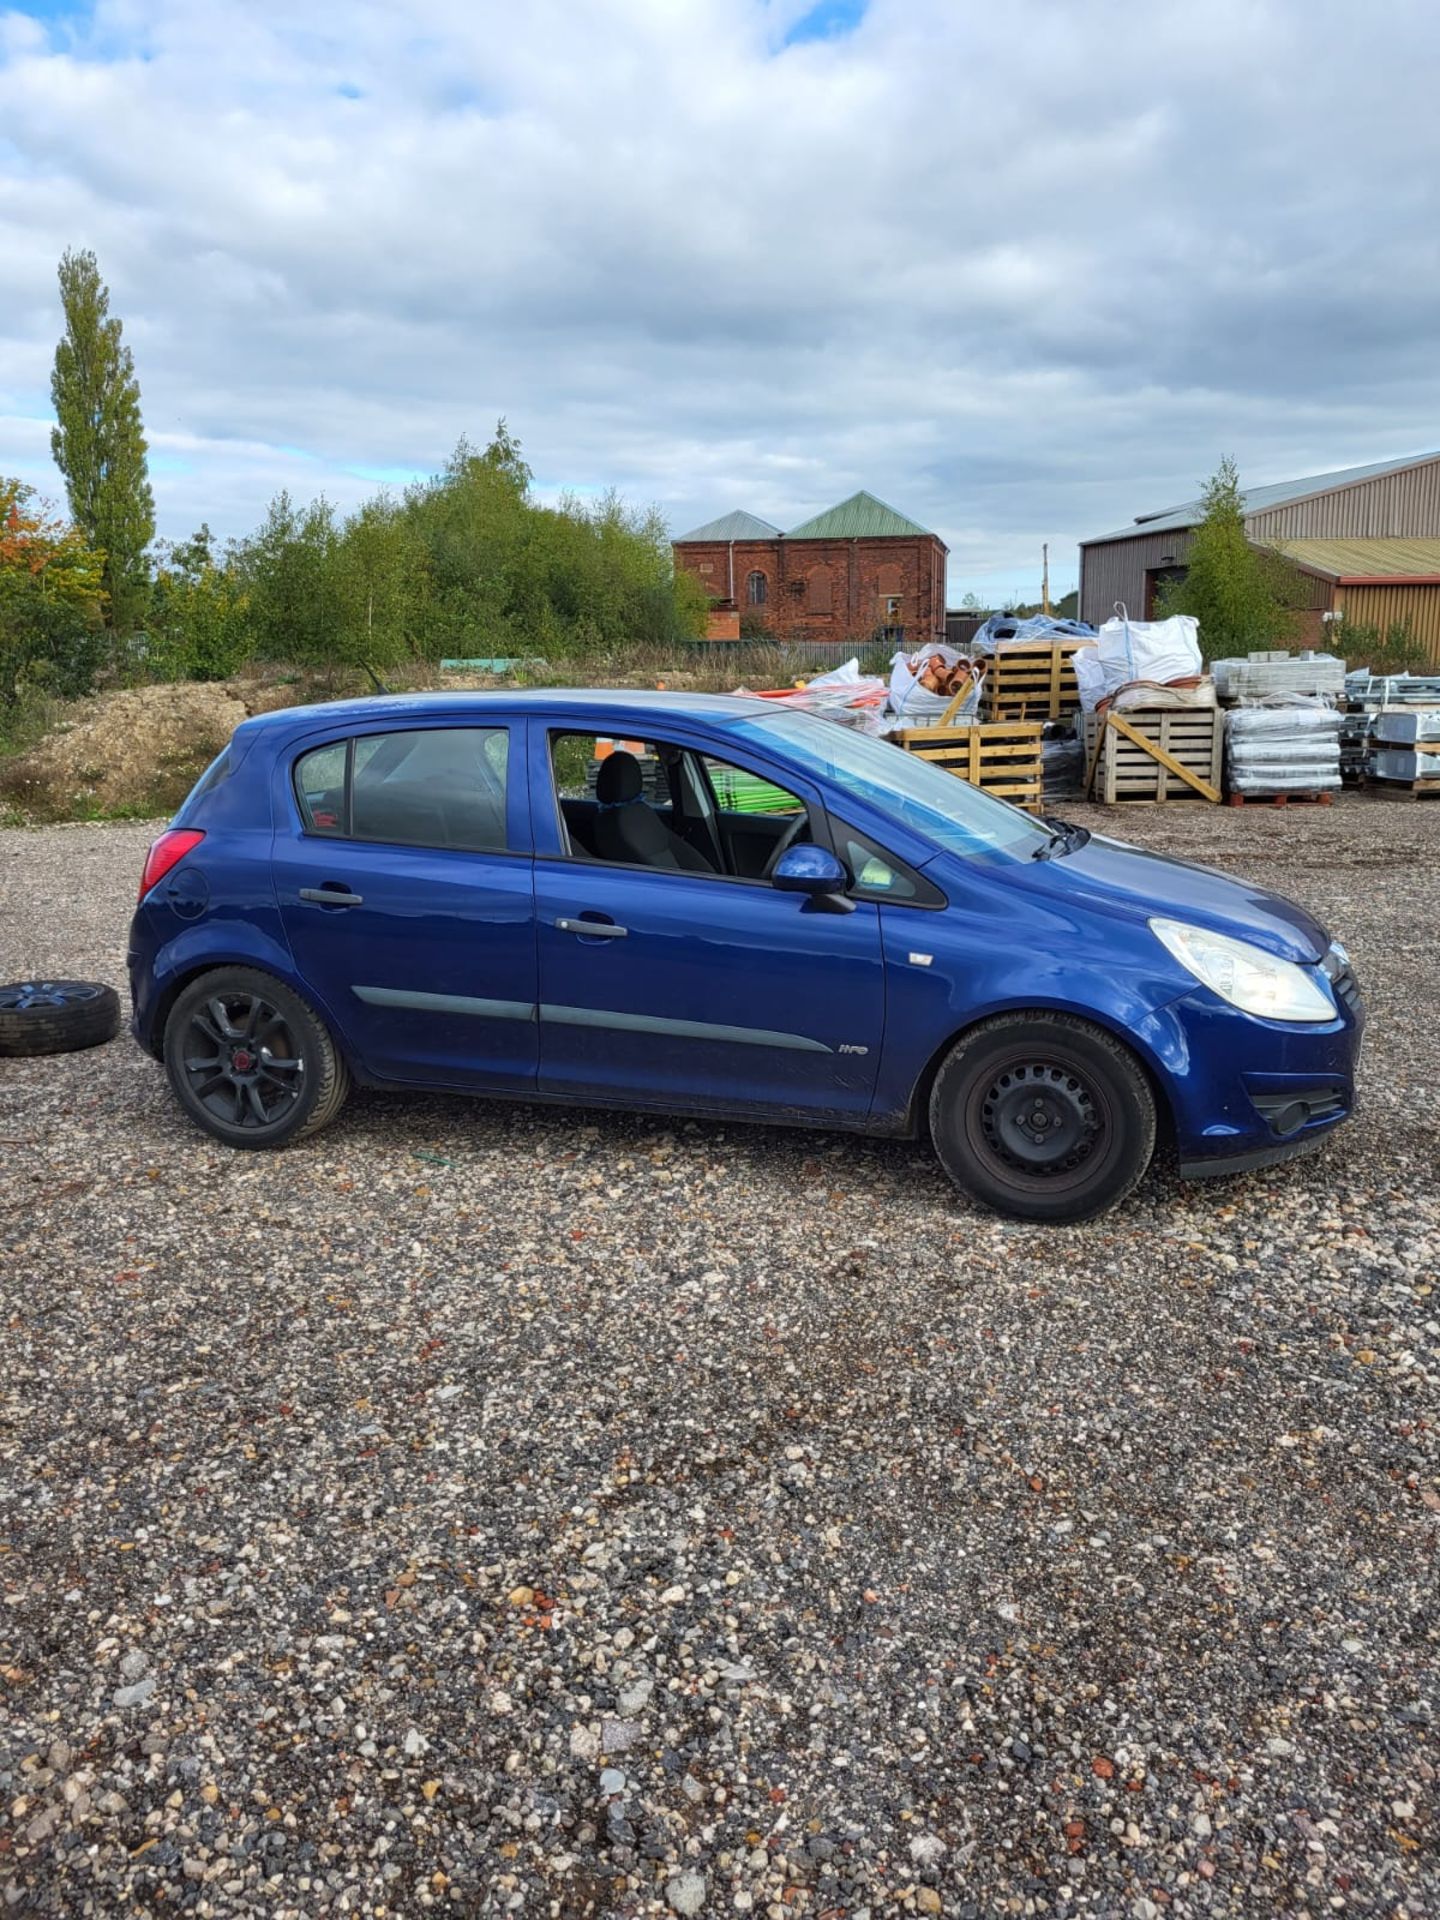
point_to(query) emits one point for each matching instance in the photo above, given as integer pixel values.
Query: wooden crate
(1002, 758)
(1127, 768)
(1032, 682)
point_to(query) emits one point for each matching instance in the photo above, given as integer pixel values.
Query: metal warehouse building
(1365, 542)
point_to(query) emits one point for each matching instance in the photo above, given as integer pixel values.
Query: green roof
(731, 526)
(861, 517)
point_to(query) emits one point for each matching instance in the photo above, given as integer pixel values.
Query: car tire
(251, 1062)
(56, 1016)
(1043, 1116)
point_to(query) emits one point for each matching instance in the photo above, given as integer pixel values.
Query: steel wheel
(1040, 1119)
(1043, 1116)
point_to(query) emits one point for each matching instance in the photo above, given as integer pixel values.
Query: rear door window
(439, 787)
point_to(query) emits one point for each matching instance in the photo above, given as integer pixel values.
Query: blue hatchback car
(712, 906)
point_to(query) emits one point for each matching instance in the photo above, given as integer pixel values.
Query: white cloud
(1023, 272)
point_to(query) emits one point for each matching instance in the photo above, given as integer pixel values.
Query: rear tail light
(166, 852)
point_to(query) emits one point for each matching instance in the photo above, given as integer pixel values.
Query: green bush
(1392, 649)
(199, 626)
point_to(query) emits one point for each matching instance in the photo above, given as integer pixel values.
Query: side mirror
(814, 871)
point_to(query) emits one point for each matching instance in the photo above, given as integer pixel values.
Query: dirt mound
(135, 752)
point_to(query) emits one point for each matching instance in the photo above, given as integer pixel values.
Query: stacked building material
(1282, 750)
(1407, 745)
(1270, 676)
(1376, 691)
(1369, 697)
(1355, 725)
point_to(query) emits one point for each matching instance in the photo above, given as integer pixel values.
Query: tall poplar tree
(99, 440)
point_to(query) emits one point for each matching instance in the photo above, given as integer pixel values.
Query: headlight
(1246, 976)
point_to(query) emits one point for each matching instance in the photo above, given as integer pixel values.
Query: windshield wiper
(1064, 837)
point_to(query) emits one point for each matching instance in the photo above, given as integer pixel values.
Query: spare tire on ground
(56, 1016)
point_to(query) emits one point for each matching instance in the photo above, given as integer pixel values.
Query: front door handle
(332, 897)
(593, 929)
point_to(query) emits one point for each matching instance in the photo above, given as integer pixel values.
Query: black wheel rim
(26, 994)
(241, 1061)
(1040, 1122)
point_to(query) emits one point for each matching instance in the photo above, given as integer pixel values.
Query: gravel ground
(486, 1509)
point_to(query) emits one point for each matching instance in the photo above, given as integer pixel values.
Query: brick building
(858, 572)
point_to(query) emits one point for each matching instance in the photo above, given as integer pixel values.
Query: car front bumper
(1247, 1093)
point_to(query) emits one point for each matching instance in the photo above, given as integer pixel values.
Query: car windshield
(939, 805)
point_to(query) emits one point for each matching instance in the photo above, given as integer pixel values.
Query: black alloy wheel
(1043, 1116)
(56, 1016)
(250, 1061)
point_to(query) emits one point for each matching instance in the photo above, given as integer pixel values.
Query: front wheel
(1043, 1116)
(250, 1061)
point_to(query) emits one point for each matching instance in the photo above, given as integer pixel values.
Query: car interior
(654, 804)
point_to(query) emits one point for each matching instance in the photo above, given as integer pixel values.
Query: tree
(288, 572)
(1237, 592)
(197, 626)
(51, 598)
(381, 588)
(99, 440)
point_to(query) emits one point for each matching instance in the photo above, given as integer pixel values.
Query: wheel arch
(918, 1108)
(185, 974)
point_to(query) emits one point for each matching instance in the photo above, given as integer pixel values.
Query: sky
(1024, 271)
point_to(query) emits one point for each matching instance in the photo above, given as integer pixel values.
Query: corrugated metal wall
(1383, 606)
(1116, 571)
(1396, 504)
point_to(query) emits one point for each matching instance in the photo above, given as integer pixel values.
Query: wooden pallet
(1003, 758)
(1032, 682)
(1325, 798)
(1154, 753)
(1403, 789)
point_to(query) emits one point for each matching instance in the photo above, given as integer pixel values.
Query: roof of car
(599, 703)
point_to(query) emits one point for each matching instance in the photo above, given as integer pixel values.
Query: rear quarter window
(320, 788)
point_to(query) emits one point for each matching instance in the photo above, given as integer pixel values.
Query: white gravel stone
(686, 1892)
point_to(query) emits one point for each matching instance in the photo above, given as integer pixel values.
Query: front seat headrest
(618, 780)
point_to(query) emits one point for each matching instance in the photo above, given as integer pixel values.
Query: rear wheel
(250, 1061)
(1043, 1116)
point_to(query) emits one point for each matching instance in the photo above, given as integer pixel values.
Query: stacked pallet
(1154, 753)
(1001, 758)
(1032, 680)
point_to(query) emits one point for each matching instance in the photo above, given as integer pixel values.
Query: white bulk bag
(1140, 650)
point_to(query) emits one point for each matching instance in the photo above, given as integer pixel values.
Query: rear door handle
(332, 897)
(593, 929)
